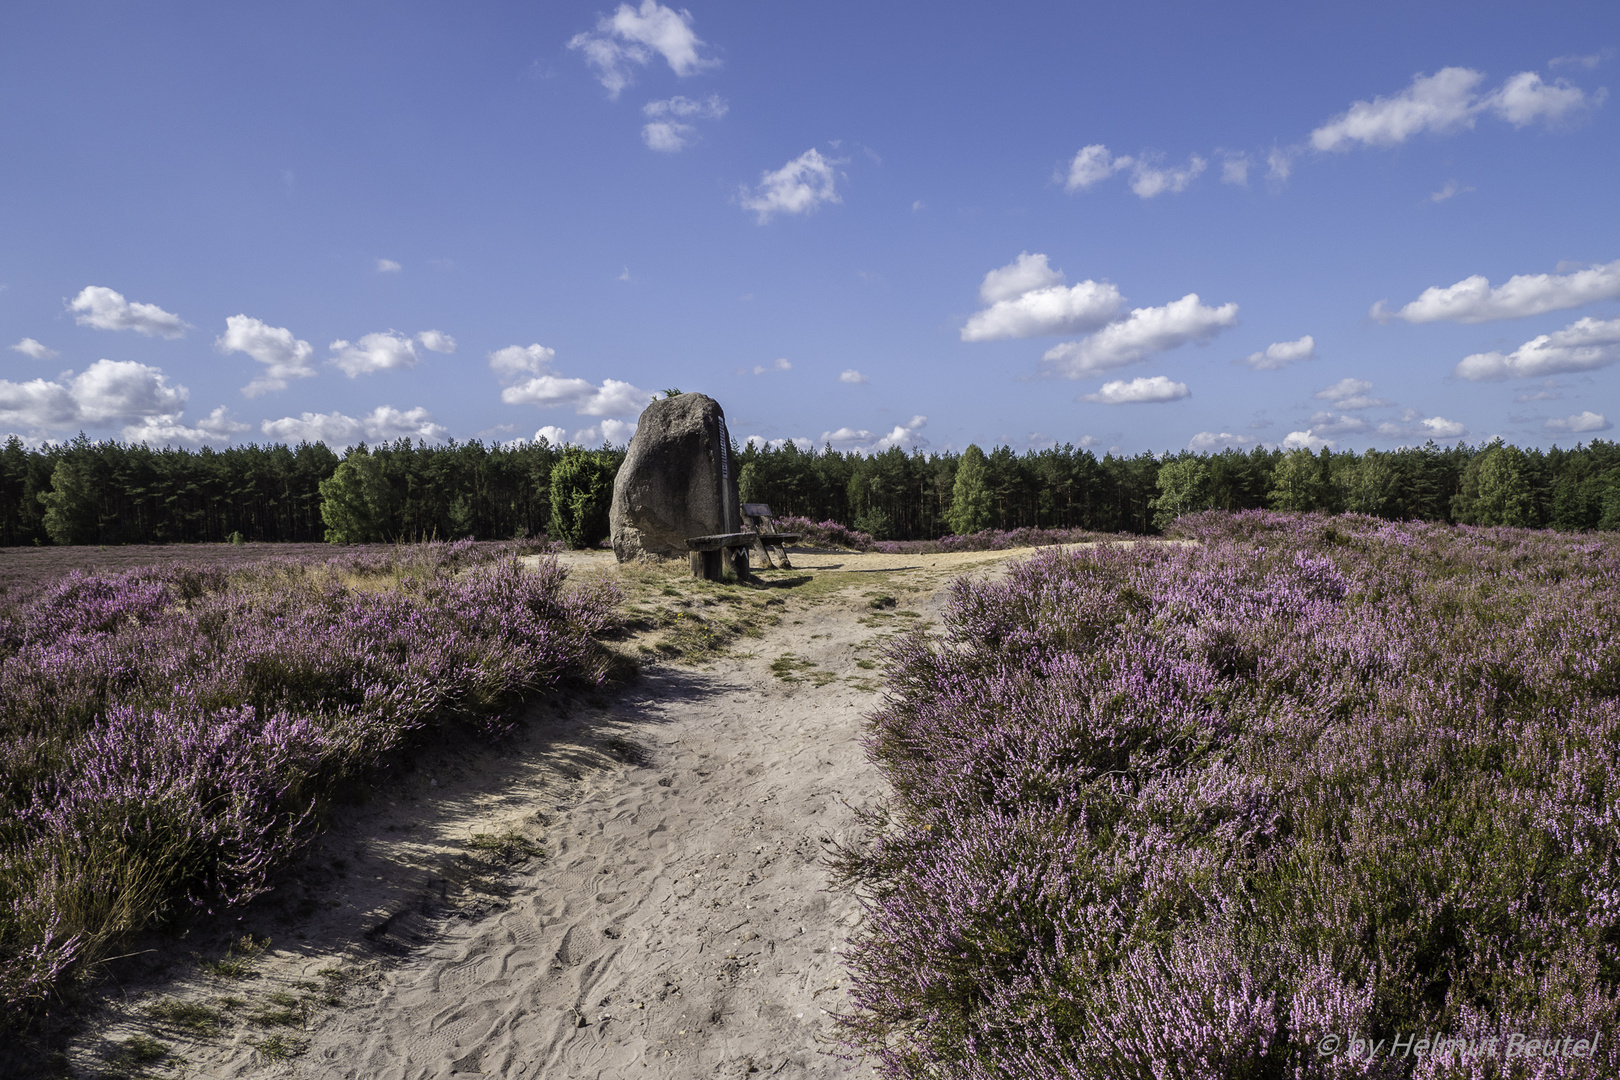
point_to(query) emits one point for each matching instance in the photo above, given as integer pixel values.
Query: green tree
(357, 502)
(1297, 482)
(581, 494)
(1496, 490)
(72, 514)
(1183, 489)
(970, 496)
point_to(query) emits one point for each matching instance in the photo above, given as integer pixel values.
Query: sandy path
(681, 923)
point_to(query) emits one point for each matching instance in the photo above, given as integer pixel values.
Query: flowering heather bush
(989, 540)
(824, 533)
(832, 534)
(1188, 811)
(167, 734)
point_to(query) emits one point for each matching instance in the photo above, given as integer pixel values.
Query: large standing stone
(677, 480)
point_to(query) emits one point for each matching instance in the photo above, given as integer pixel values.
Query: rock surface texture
(678, 480)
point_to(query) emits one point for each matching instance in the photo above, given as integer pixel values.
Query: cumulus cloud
(1351, 394)
(862, 441)
(516, 360)
(388, 266)
(1235, 171)
(1329, 425)
(796, 188)
(381, 351)
(1092, 165)
(1279, 354)
(631, 37)
(777, 444)
(108, 391)
(1585, 345)
(382, 424)
(781, 363)
(284, 356)
(105, 309)
(552, 434)
(850, 375)
(1149, 180)
(616, 432)
(1140, 391)
(666, 129)
(1280, 163)
(1472, 300)
(1416, 426)
(34, 350)
(1449, 100)
(612, 398)
(437, 341)
(1450, 189)
(216, 427)
(1580, 422)
(1024, 274)
(1146, 332)
(1052, 310)
(1206, 441)
(1306, 440)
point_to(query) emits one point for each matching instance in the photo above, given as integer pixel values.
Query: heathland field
(1213, 808)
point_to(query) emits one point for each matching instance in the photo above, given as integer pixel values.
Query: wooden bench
(708, 553)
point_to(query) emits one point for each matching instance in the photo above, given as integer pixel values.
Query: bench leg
(739, 562)
(712, 564)
(783, 558)
(697, 563)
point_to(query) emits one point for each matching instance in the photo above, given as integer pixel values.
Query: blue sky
(1140, 226)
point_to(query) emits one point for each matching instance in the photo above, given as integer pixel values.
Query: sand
(680, 922)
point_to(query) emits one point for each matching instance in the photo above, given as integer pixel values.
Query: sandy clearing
(680, 923)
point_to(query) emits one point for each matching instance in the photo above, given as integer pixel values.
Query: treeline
(85, 492)
(900, 496)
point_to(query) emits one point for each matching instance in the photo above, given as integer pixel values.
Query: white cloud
(777, 444)
(107, 391)
(1590, 60)
(1280, 163)
(34, 350)
(1234, 170)
(1449, 190)
(1205, 441)
(1022, 275)
(1052, 310)
(1524, 99)
(665, 133)
(284, 356)
(781, 363)
(865, 442)
(850, 375)
(1145, 332)
(1414, 425)
(1580, 422)
(1306, 440)
(1327, 424)
(667, 136)
(796, 188)
(1549, 392)
(216, 427)
(552, 434)
(1279, 354)
(1584, 345)
(1472, 300)
(125, 390)
(1148, 181)
(36, 404)
(373, 353)
(632, 36)
(1140, 391)
(516, 360)
(384, 423)
(612, 398)
(1448, 101)
(616, 432)
(1092, 165)
(437, 341)
(108, 310)
(1351, 394)
(388, 266)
